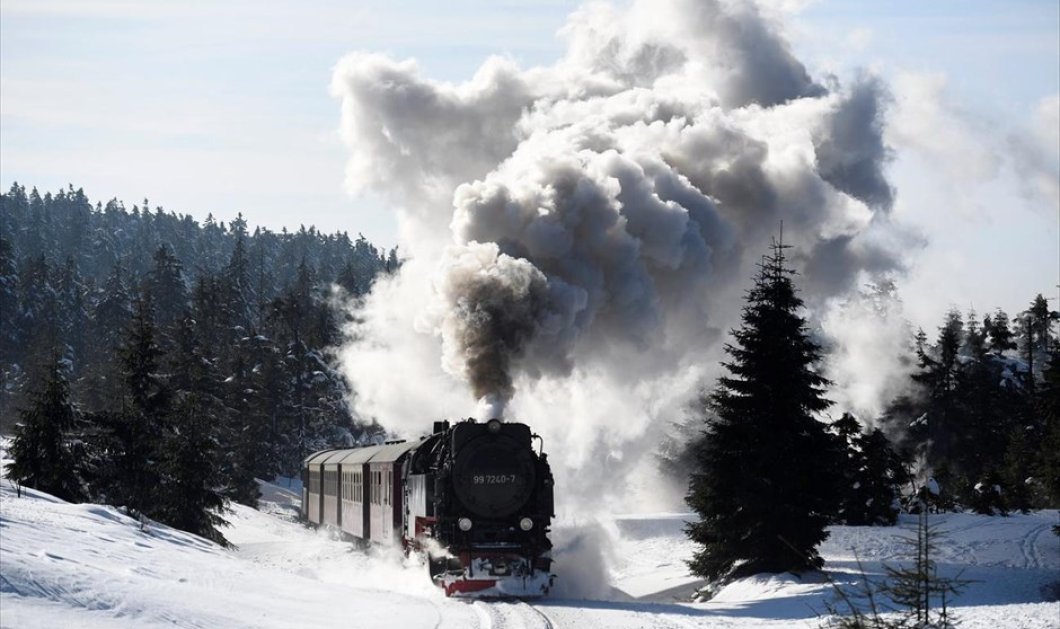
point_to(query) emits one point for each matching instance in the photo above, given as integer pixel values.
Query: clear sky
(224, 107)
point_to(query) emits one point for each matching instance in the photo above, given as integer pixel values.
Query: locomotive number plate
(494, 479)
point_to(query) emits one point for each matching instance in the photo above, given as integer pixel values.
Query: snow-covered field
(65, 565)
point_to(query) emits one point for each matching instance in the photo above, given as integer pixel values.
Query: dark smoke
(497, 321)
(580, 235)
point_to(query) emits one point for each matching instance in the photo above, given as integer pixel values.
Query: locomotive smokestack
(491, 407)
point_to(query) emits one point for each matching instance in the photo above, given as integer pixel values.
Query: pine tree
(246, 435)
(41, 450)
(101, 382)
(143, 414)
(1048, 407)
(73, 315)
(914, 595)
(918, 590)
(239, 295)
(166, 288)
(190, 495)
(765, 487)
(938, 375)
(872, 475)
(999, 333)
(10, 338)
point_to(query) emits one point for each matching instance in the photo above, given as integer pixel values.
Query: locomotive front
(480, 504)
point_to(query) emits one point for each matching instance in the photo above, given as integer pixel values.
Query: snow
(66, 565)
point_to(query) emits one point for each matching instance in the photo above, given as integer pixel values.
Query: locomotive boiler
(475, 499)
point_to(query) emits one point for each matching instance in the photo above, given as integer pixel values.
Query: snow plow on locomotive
(474, 498)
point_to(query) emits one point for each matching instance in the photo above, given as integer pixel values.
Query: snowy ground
(64, 565)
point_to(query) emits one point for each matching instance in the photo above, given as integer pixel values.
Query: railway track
(504, 614)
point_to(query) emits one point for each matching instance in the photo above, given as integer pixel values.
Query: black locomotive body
(475, 498)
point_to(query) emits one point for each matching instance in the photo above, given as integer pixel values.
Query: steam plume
(579, 235)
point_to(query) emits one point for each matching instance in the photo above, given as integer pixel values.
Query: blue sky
(224, 107)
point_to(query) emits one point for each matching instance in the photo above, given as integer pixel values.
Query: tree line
(978, 427)
(161, 364)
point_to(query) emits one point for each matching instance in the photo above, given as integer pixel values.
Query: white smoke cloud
(579, 236)
(974, 149)
(869, 354)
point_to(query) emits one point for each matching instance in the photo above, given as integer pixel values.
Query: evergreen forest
(976, 428)
(154, 362)
(162, 364)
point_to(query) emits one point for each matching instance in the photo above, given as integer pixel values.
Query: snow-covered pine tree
(41, 451)
(143, 413)
(765, 487)
(166, 288)
(101, 384)
(238, 289)
(10, 339)
(190, 495)
(245, 432)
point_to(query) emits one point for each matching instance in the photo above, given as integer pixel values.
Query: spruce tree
(42, 454)
(938, 376)
(765, 488)
(872, 475)
(190, 495)
(101, 382)
(997, 328)
(1048, 408)
(142, 417)
(166, 288)
(10, 339)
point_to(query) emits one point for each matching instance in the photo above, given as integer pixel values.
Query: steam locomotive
(474, 498)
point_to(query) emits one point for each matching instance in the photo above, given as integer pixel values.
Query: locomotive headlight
(526, 524)
(464, 524)
(494, 426)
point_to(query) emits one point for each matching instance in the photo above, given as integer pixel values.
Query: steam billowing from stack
(579, 236)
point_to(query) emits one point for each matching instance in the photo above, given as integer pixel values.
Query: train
(474, 498)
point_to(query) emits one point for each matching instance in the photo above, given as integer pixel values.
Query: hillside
(90, 566)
